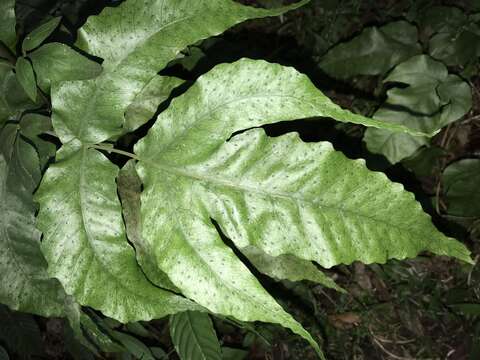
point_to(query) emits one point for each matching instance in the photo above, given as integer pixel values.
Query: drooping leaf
(375, 51)
(129, 189)
(37, 36)
(25, 285)
(146, 102)
(26, 77)
(13, 99)
(7, 24)
(279, 195)
(136, 40)
(287, 267)
(57, 62)
(194, 337)
(86, 246)
(460, 187)
(432, 99)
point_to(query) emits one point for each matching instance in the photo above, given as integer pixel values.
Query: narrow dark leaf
(37, 36)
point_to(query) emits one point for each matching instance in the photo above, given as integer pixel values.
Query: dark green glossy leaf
(37, 36)
(7, 24)
(375, 51)
(460, 187)
(393, 145)
(56, 62)
(432, 99)
(26, 77)
(194, 337)
(425, 161)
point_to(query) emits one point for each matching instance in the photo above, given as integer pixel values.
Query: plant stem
(116, 151)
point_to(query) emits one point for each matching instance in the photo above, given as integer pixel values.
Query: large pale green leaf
(279, 195)
(85, 243)
(375, 51)
(57, 62)
(136, 40)
(432, 99)
(7, 23)
(460, 187)
(194, 337)
(25, 285)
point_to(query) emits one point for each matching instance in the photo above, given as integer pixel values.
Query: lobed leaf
(279, 195)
